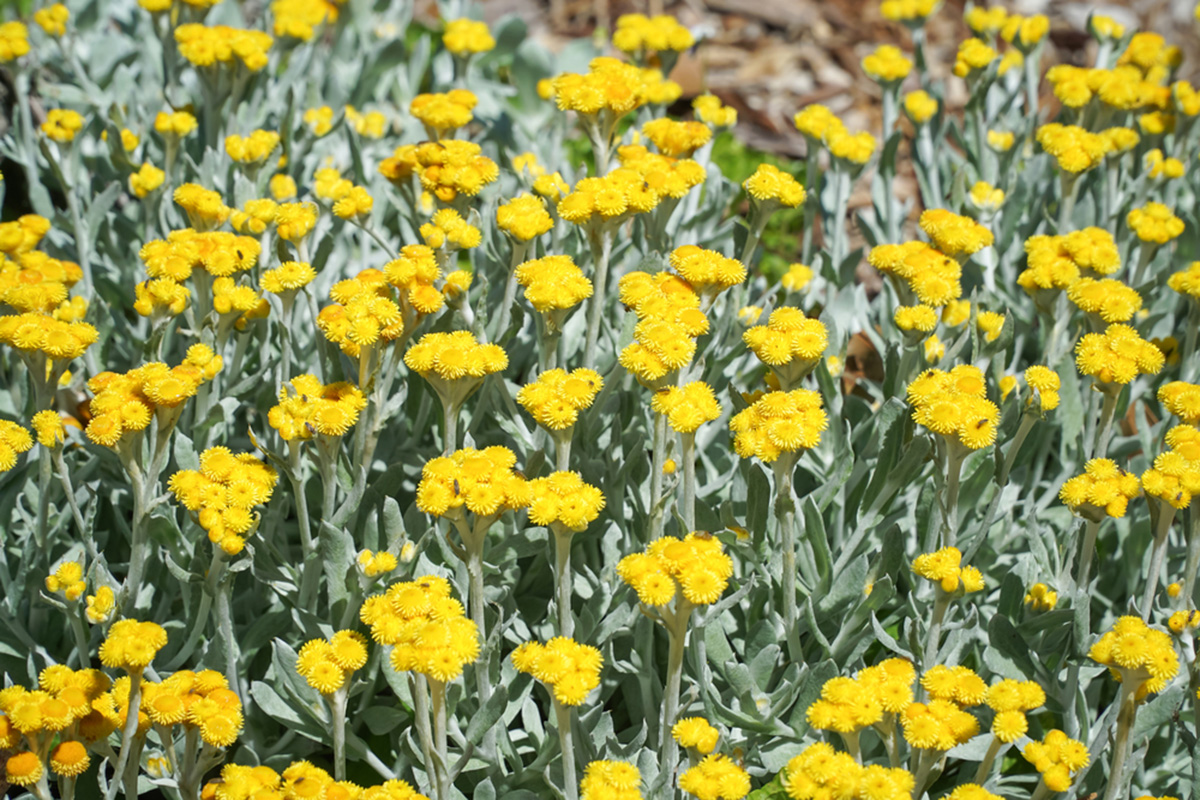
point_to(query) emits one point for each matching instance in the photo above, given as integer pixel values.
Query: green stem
(989, 758)
(687, 503)
(81, 636)
(1125, 717)
(1193, 554)
(562, 716)
(811, 201)
(450, 427)
(1014, 447)
(955, 456)
(519, 250)
(212, 579)
(45, 472)
(785, 514)
(759, 217)
(601, 244)
(225, 625)
(658, 455)
(1189, 340)
(128, 733)
(1104, 428)
(562, 449)
(337, 705)
(677, 636)
(1066, 210)
(419, 689)
(441, 762)
(1166, 516)
(933, 642)
(64, 478)
(564, 578)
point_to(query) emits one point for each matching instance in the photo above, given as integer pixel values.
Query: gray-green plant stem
(189, 781)
(676, 624)
(128, 733)
(687, 501)
(658, 458)
(80, 232)
(933, 641)
(1104, 427)
(566, 741)
(1166, 515)
(1193, 554)
(563, 578)
(298, 480)
(759, 217)
(473, 540)
(519, 250)
(955, 455)
(441, 762)
(1014, 447)
(785, 514)
(81, 635)
(811, 201)
(562, 449)
(985, 161)
(928, 159)
(419, 689)
(449, 426)
(1066, 208)
(212, 579)
(1145, 256)
(989, 758)
(45, 472)
(837, 222)
(64, 478)
(225, 626)
(337, 708)
(1091, 529)
(1189, 340)
(1125, 717)
(601, 244)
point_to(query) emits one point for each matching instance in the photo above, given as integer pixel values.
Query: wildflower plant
(336, 415)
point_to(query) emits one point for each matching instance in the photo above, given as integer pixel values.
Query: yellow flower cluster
(327, 664)
(484, 482)
(1159, 166)
(299, 19)
(694, 566)
(441, 358)
(1011, 699)
(1155, 223)
(319, 120)
(307, 407)
(887, 64)
(562, 498)
(370, 125)
(1057, 757)
(709, 109)
(986, 197)
(253, 148)
(413, 273)
(778, 423)
(669, 320)
(424, 626)
(68, 579)
(1056, 262)
(1041, 597)
(524, 217)
(821, 773)
(955, 235)
(443, 113)
(448, 229)
(790, 343)
(101, 606)
(1187, 281)
(230, 300)
(1180, 621)
(664, 176)
(125, 403)
(955, 404)
(707, 271)
(61, 125)
(131, 645)
(1103, 488)
(920, 106)
(1106, 298)
(610, 780)
(921, 319)
(209, 45)
(929, 273)
(944, 567)
(174, 123)
(147, 178)
(557, 396)
(14, 440)
(850, 704)
(1075, 149)
(942, 723)
(569, 669)
(223, 493)
(39, 333)
(695, 733)
(20, 236)
(1175, 476)
(1181, 399)
(553, 284)
(973, 56)
(363, 313)
(1044, 383)
(638, 34)
(716, 777)
(609, 85)
(769, 185)
(14, 41)
(686, 407)
(255, 216)
(200, 701)
(289, 276)
(1117, 356)
(610, 198)
(465, 37)
(372, 565)
(219, 253)
(445, 168)
(300, 780)
(52, 19)
(1122, 88)
(674, 138)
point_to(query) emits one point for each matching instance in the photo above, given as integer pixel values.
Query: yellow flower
(887, 64)
(131, 645)
(920, 106)
(294, 221)
(953, 234)
(557, 396)
(146, 179)
(695, 732)
(441, 114)
(251, 149)
(326, 665)
(483, 482)
(425, 627)
(14, 43)
(610, 780)
(1155, 223)
(571, 670)
(638, 34)
(52, 19)
(466, 37)
(974, 55)
(213, 45)
(14, 440)
(1102, 489)
(943, 568)
(694, 567)
(61, 125)
(101, 605)
(954, 404)
(716, 777)
(687, 407)
(1117, 356)
(777, 423)
(1041, 598)
(48, 426)
(1075, 149)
